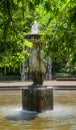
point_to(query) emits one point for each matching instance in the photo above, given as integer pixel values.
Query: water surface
(63, 117)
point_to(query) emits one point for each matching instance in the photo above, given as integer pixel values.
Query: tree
(12, 23)
(56, 18)
(59, 22)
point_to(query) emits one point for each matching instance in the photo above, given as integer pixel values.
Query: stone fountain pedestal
(37, 98)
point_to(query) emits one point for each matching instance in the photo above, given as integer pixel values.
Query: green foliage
(57, 25)
(12, 23)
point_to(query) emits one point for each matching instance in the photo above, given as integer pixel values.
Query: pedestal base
(37, 98)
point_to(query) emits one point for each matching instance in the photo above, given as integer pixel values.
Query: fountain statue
(38, 64)
(37, 96)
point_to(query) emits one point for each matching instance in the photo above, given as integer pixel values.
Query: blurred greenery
(57, 24)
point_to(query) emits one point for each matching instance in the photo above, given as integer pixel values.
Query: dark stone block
(38, 77)
(37, 98)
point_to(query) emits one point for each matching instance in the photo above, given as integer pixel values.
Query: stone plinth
(37, 98)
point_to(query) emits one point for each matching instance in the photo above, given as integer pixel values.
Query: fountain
(37, 96)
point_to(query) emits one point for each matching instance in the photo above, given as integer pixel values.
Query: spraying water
(35, 28)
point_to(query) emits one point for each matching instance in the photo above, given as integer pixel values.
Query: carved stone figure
(38, 64)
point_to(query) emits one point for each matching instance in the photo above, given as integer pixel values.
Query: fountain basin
(62, 117)
(37, 98)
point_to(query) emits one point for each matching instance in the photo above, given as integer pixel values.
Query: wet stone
(37, 98)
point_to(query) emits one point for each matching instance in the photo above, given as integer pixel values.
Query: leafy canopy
(57, 24)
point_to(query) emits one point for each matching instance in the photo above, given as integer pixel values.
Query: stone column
(38, 64)
(37, 97)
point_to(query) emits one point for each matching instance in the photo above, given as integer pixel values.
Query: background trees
(57, 24)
